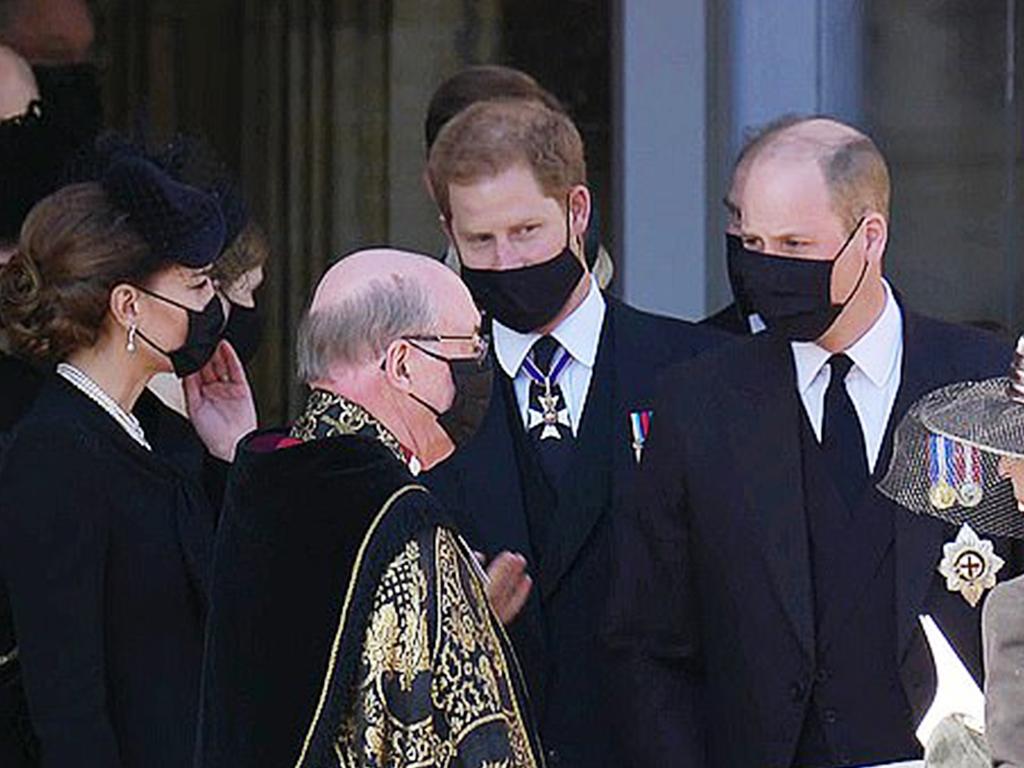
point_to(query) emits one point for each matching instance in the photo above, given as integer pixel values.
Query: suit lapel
(770, 471)
(918, 541)
(500, 524)
(586, 490)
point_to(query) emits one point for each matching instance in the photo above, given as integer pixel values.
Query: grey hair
(361, 327)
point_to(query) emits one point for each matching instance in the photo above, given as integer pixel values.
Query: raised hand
(508, 585)
(220, 403)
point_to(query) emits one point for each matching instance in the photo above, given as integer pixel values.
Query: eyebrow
(785, 235)
(730, 205)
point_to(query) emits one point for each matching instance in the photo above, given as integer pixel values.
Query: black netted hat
(947, 450)
(186, 159)
(179, 223)
(191, 160)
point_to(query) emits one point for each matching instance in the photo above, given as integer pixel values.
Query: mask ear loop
(164, 299)
(136, 331)
(568, 224)
(863, 271)
(384, 366)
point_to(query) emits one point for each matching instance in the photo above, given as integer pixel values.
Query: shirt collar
(579, 333)
(876, 353)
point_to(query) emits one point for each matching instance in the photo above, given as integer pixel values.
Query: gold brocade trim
(436, 688)
(397, 640)
(328, 414)
(481, 690)
(333, 659)
(512, 661)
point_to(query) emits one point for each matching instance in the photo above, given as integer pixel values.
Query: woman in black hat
(106, 543)
(238, 272)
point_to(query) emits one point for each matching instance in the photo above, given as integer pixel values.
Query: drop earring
(130, 346)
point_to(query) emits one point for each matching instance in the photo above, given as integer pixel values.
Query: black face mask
(73, 92)
(526, 298)
(33, 152)
(733, 246)
(793, 296)
(204, 334)
(472, 380)
(245, 331)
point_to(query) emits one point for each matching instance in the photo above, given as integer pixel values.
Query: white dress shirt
(872, 383)
(579, 334)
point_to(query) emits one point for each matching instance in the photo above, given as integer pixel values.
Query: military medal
(640, 423)
(969, 565)
(550, 414)
(942, 495)
(968, 468)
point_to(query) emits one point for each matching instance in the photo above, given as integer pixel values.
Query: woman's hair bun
(75, 246)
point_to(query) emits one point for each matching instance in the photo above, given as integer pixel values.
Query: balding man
(18, 90)
(18, 387)
(38, 137)
(349, 623)
(766, 603)
(738, 317)
(18, 86)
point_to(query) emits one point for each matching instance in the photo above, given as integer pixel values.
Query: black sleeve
(651, 626)
(53, 555)
(215, 481)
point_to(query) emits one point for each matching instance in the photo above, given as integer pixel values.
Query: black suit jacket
(729, 320)
(712, 607)
(104, 553)
(19, 384)
(556, 635)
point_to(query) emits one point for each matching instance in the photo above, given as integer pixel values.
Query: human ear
(396, 365)
(876, 236)
(124, 305)
(579, 211)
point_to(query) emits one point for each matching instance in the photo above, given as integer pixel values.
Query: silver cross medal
(550, 415)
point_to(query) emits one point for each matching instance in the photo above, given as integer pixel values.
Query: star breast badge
(969, 565)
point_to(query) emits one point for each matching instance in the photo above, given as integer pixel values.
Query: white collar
(579, 334)
(876, 353)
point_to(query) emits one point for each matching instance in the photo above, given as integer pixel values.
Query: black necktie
(841, 436)
(548, 417)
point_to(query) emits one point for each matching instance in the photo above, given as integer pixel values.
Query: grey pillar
(785, 56)
(661, 146)
(692, 77)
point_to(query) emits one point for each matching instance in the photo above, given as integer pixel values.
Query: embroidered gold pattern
(342, 619)
(444, 703)
(396, 640)
(327, 415)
